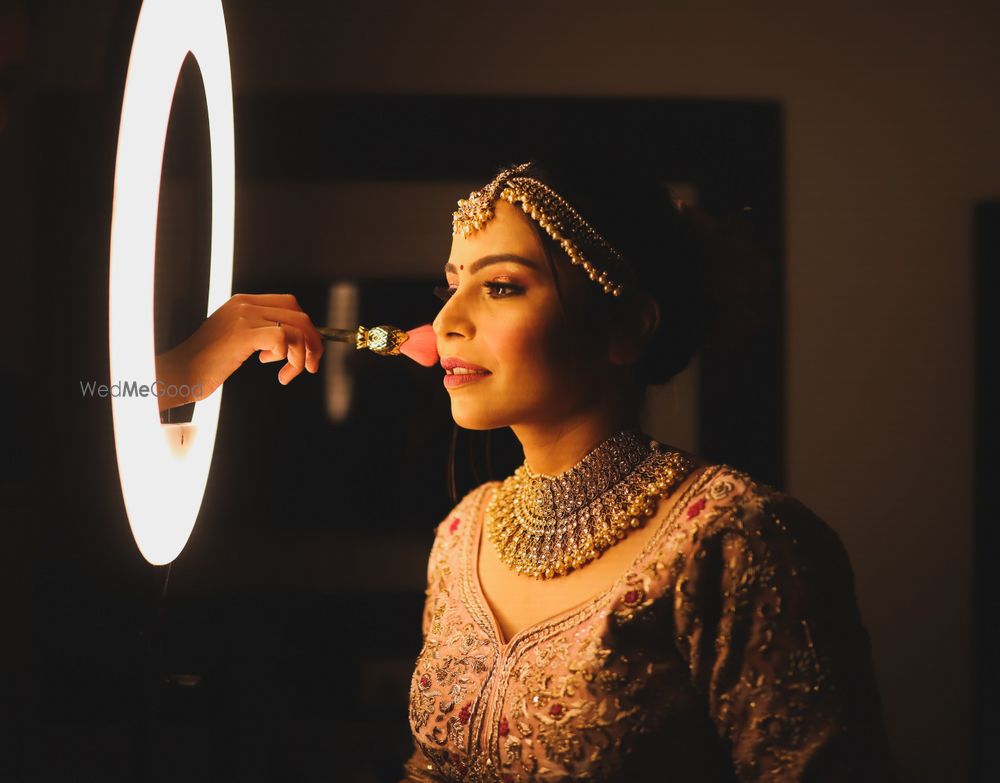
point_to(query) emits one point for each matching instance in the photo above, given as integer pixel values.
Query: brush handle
(339, 335)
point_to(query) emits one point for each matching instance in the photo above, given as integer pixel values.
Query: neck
(555, 449)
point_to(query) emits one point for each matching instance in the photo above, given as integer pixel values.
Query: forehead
(509, 231)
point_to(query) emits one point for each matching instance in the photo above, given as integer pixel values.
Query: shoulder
(766, 617)
(445, 547)
(732, 512)
(465, 510)
(728, 496)
(747, 544)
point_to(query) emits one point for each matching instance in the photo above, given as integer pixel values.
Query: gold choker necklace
(544, 525)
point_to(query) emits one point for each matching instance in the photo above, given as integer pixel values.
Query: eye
(496, 288)
(444, 292)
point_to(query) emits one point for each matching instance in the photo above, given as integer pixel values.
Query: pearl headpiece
(581, 241)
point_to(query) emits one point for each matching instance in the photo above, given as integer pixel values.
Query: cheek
(534, 342)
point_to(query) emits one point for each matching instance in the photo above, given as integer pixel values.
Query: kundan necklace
(544, 525)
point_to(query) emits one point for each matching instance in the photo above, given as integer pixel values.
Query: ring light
(164, 468)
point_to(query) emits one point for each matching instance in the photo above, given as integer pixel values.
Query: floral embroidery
(695, 508)
(633, 602)
(571, 699)
(449, 669)
(720, 488)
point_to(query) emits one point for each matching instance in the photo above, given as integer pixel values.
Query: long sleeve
(766, 617)
(415, 768)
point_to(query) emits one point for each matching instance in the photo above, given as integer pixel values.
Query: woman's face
(503, 315)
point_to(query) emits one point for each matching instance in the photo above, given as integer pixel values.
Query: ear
(639, 320)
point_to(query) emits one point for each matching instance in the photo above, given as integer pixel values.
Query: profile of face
(502, 313)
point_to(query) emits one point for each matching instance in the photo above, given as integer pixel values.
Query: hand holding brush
(278, 328)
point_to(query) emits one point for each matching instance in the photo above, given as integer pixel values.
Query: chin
(475, 420)
(480, 411)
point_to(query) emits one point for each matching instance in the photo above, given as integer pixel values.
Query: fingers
(286, 373)
(285, 308)
(308, 338)
(296, 355)
(280, 342)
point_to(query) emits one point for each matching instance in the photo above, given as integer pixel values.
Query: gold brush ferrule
(383, 340)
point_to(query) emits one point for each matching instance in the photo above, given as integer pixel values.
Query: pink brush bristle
(421, 346)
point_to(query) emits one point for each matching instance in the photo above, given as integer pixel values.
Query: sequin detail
(711, 653)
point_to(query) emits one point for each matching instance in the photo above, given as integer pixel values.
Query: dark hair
(660, 243)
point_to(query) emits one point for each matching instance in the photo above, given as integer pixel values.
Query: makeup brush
(420, 344)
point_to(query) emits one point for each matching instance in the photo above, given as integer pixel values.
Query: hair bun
(706, 273)
(740, 274)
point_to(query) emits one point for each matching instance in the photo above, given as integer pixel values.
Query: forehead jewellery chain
(582, 242)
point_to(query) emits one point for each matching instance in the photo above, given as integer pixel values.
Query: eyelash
(444, 293)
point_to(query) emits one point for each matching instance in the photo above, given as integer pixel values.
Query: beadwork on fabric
(709, 659)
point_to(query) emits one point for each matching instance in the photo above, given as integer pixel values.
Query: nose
(453, 318)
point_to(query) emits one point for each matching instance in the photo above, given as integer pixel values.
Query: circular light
(163, 468)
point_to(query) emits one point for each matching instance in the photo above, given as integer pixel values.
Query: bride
(617, 609)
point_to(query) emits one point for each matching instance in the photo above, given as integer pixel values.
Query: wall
(891, 126)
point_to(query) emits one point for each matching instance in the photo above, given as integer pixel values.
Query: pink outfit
(732, 649)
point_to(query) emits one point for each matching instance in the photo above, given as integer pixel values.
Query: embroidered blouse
(731, 650)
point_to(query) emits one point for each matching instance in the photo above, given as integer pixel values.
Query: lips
(459, 372)
(454, 380)
(455, 366)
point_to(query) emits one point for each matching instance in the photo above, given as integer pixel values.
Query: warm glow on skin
(560, 393)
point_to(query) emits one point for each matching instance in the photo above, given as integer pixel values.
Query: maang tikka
(556, 216)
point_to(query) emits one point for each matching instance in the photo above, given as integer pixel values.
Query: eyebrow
(497, 258)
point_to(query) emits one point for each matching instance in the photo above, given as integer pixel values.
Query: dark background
(279, 644)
